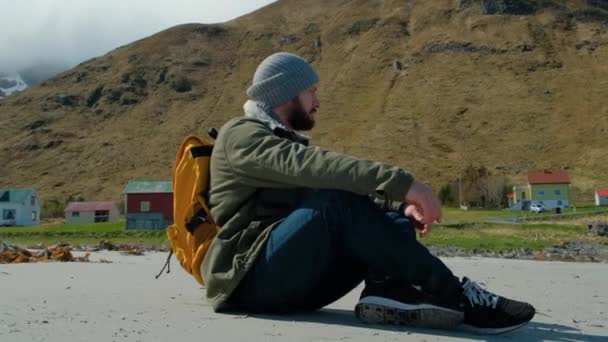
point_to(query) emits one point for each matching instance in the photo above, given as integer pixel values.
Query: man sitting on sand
(303, 226)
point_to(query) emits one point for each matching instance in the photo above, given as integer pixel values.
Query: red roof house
(91, 212)
(149, 204)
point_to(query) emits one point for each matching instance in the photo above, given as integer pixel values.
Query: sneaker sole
(378, 310)
(490, 331)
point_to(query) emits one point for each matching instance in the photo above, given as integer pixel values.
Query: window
(102, 216)
(32, 201)
(8, 214)
(541, 193)
(558, 192)
(34, 216)
(144, 206)
(75, 213)
(559, 202)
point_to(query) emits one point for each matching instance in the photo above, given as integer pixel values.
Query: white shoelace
(479, 296)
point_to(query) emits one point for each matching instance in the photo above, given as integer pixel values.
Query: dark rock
(23, 100)
(36, 124)
(162, 76)
(31, 147)
(53, 144)
(94, 96)
(598, 228)
(68, 100)
(462, 110)
(589, 45)
(181, 85)
(590, 15)
(553, 64)
(80, 77)
(404, 27)
(201, 61)
(508, 7)
(64, 135)
(211, 30)
(361, 26)
(523, 48)
(397, 66)
(288, 39)
(467, 3)
(114, 95)
(128, 99)
(461, 47)
(264, 35)
(550, 64)
(139, 82)
(317, 43)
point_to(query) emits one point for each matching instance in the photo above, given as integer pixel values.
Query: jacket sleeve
(388, 205)
(265, 160)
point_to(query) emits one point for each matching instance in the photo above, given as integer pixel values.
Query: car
(537, 208)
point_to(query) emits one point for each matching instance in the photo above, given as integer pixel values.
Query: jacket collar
(265, 114)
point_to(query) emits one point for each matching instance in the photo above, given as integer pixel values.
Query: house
(510, 199)
(549, 188)
(148, 204)
(19, 207)
(91, 212)
(601, 197)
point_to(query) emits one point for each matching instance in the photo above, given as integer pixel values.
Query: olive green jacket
(258, 175)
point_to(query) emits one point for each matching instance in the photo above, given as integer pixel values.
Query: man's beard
(299, 119)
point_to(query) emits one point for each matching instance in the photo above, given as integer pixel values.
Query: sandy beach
(121, 301)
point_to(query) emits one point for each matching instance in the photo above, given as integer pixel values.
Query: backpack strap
(200, 217)
(201, 151)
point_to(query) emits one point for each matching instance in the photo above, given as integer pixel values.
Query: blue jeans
(327, 246)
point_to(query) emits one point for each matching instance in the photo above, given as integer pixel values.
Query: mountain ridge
(429, 86)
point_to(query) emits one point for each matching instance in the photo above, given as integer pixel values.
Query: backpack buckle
(199, 218)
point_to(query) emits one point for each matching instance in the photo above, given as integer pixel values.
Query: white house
(91, 212)
(19, 207)
(546, 187)
(601, 197)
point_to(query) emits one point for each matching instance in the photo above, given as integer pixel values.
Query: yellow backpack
(193, 228)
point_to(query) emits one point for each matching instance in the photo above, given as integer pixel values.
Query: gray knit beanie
(281, 77)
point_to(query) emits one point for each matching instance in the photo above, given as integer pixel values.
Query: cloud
(68, 32)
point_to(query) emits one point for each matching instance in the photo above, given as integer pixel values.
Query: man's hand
(423, 206)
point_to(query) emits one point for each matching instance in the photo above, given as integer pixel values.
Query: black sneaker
(488, 313)
(387, 303)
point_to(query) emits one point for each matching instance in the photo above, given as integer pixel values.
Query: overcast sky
(71, 31)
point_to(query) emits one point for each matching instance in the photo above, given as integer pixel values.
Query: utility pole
(460, 190)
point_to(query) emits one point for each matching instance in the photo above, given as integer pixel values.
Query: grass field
(456, 215)
(465, 229)
(81, 234)
(496, 237)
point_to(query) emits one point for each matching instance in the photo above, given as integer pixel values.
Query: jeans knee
(338, 208)
(335, 198)
(403, 223)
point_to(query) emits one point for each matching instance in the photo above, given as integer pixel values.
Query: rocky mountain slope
(432, 86)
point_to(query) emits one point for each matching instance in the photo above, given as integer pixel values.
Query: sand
(121, 301)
